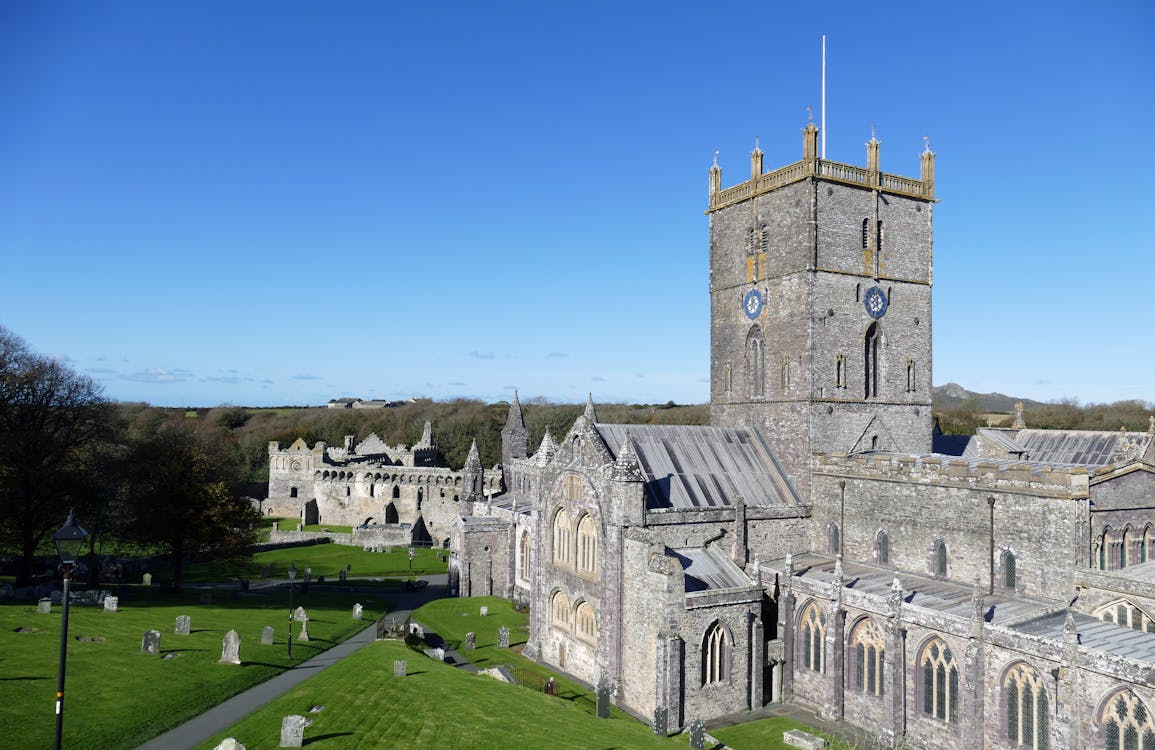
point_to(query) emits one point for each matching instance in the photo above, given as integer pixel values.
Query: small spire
(474, 457)
(589, 413)
(546, 450)
(873, 137)
(715, 165)
(515, 420)
(627, 467)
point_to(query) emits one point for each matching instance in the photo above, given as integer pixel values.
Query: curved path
(224, 715)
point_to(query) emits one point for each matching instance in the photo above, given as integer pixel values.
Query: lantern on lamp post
(69, 541)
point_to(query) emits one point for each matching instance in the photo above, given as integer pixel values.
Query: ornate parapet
(997, 476)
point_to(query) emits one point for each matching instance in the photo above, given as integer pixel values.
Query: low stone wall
(279, 537)
(289, 543)
(389, 535)
(383, 535)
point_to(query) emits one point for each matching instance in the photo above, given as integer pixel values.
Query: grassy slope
(325, 560)
(117, 697)
(766, 734)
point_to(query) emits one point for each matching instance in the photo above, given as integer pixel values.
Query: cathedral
(818, 543)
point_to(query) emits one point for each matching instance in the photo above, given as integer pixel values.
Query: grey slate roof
(1097, 634)
(699, 466)
(1076, 446)
(709, 570)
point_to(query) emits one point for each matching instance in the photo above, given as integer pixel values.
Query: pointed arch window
(940, 684)
(391, 513)
(910, 376)
(1126, 613)
(586, 621)
(840, 371)
(1127, 723)
(562, 539)
(939, 558)
(882, 546)
(1010, 570)
(560, 611)
(587, 545)
(523, 569)
(1028, 713)
(814, 638)
(716, 653)
(871, 344)
(755, 362)
(868, 647)
(834, 539)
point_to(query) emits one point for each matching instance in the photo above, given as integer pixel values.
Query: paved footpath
(221, 717)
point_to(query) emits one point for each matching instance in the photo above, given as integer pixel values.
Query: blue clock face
(875, 302)
(752, 304)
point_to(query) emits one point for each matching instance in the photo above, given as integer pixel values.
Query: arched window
(560, 609)
(1126, 613)
(871, 345)
(1148, 545)
(785, 371)
(833, 539)
(1122, 545)
(1127, 723)
(756, 363)
(814, 638)
(391, 514)
(396, 492)
(938, 558)
(292, 492)
(840, 371)
(868, 651)
(1104, 552)
(1028, 712)
(587, 543)
(751, 241)
(523, 570)
(882, 545)
(587, 625)
(1010, 574)
(939, 682)
(562, 539)
(716, 655)
(910, 382)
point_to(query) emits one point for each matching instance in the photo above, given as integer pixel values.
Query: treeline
(1132, 416)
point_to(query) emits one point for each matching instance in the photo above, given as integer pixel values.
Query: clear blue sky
(285, 202)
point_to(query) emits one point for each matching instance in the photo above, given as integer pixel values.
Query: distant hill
(949, 396)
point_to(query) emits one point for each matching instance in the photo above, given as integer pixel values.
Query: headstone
(471, 640)
(293, 731)
(803, 740)
(698, 734)
(231, 648)
(229, 743)
(660, 722)
(503, 637)
(304, 636)
(300, 615)
(206, 598)
(604, 694)
(267, 635)
(146, 579)
(298, 529)
(399, 668)
(111, 603)
(183, 625)
(44, 606)
(357, 610)
(436, 654)
(276, 525)
(341, 575)
(150, 643)
(416, 629)
(484, 611)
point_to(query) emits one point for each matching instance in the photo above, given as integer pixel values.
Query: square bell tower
(820, 306)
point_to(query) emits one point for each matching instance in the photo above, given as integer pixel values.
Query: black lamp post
(292, 577)
(69, 541)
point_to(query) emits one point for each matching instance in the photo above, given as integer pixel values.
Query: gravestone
(146, 579)
(44, 607)
(183, 625)
(304, 636)
(229, 743)
(298, 529)
(111, 603)
(300, 615)
(604, 694)
(660, 722)
(484, 611)
(231, 648)
(293, 731)
(206, 598)
(503, 637)
(267, 635)
(341, 575)
(399, 668)
(471, 640)
(803, 740)
(6, 591)
(436, 654)
(150, 643)
(357, 611)
(276, 525)
(416, 629)
(698, 734)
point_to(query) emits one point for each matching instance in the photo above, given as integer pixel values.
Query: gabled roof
(709, 570)
(703, 466)
(1089, 447)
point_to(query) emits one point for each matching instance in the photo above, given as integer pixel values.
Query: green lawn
(766, 734)
(117, 697)
(324, 559)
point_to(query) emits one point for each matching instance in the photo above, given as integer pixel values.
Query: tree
(51, 419)
(180, 494)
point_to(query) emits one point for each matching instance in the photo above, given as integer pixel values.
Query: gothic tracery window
(1128, 614)
(755, 363)
(587, 543)
(814, 638)
(868, 650)
(560, 609)
(1028, 712)
(940, 682)
(716, 649)
(562, 539)
(586, 621)
(1127, 724)
(1010, 572)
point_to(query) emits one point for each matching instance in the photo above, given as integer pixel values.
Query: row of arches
(1128, 614)
(1025, 702)
(446, 480)
(578, 617)
(1119, 548)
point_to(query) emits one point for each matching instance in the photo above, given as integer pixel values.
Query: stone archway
(391, 513)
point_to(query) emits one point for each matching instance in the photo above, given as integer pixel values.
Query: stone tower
(514, 441)
(820, 306)
(472, 482)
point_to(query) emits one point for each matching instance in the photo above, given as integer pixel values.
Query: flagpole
(823, 96)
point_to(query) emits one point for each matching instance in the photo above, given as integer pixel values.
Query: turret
(472, 480)
(514, 442)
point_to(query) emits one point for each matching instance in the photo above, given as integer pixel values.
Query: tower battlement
(812, 166)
